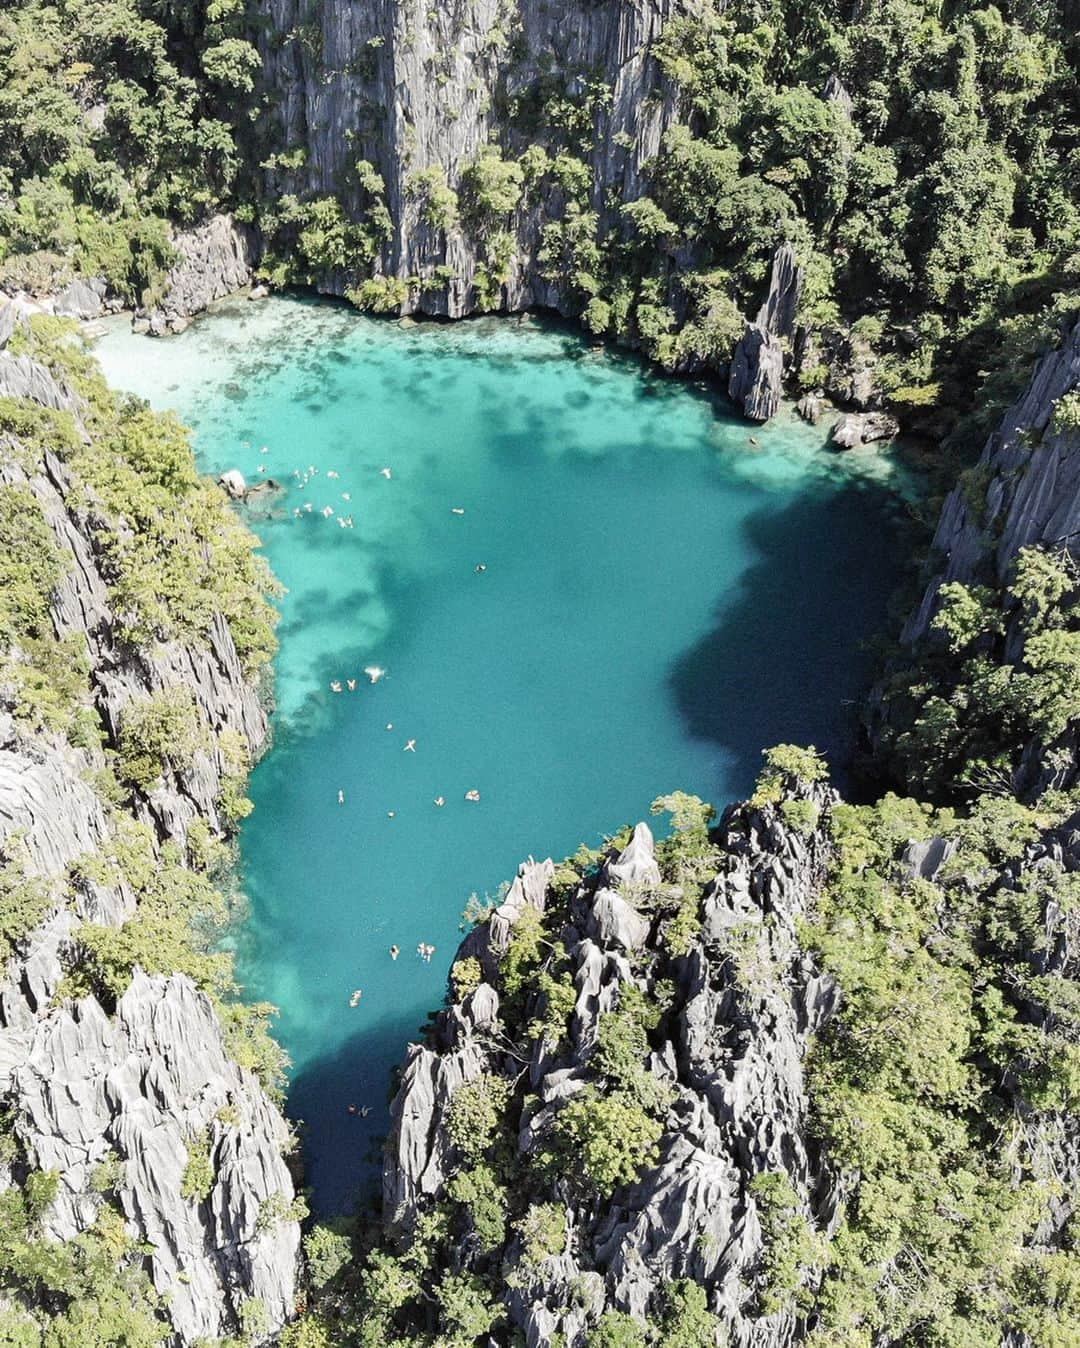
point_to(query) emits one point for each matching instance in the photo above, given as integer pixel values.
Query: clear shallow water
(661, 601)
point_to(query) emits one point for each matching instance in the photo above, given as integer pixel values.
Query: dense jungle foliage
(116, 118)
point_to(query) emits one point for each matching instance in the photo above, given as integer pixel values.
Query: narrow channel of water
(659, 599)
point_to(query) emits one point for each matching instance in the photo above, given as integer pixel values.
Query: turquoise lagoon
(662, 598)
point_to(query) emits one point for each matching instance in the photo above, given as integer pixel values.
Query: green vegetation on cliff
(116, 117)
(943, 1093)
(177, 561)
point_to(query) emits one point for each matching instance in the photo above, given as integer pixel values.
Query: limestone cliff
(1025, 489)
(743, 1003)
(1017, 508)
(143, 1085)
(411, 88)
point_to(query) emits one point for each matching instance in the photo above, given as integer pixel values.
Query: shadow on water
(343, 1150)
(778, 666)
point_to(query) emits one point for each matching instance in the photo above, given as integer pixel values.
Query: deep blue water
(661, 600)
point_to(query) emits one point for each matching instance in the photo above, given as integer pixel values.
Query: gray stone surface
(755, 380)
(145, 1084)
(863, 428)
(740, 1031)
(408, 90)
(84, 299)
(216, 259)
(1032, 493)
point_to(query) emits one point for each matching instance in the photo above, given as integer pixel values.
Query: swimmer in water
(440, 801)
(472, 795)
(351, 685)
(365, 1111)
(386, 473)
(391, 813)
(480, 568)
(341, 797)
(395, 951)
(410, 747)
(354, 1000)
(335, 687)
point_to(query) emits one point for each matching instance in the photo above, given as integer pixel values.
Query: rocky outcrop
(1025, 489)
(146, 1087)
(410, 91)
(215, 259)
(863, 428)
(745, 1004)
(755, 381)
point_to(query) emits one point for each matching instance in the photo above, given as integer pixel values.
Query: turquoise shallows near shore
(662, 598)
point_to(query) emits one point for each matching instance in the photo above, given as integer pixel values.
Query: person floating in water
(410, 747)
(473, 795)
(440, 801)
(341, 797)
(391, 813)
(395, 951)
(335, 687)
(480, 568)
(351, 685)
(354, 1000)
(386, 473)
(365, 1111)
(374, 673)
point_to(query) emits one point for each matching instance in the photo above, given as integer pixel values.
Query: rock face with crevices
(148, 1084)
(215, 259)
(1028, 487)
(728, 1060)
(410, 90)
(755, 381)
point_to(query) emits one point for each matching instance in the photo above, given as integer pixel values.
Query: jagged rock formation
(755, 382)
(152, 1082)
(744, 1005)
(863, 428)
(215, 259)
(1025, 490)
(149, 1086)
